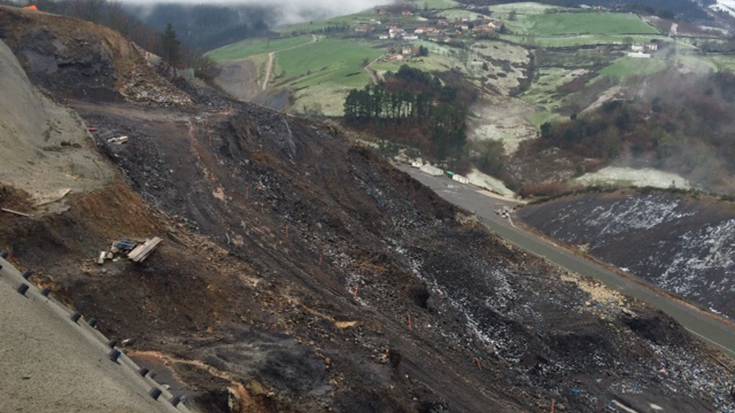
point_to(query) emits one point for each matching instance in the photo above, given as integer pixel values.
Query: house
(407, 13)
(651, 47)
(410, 37)
(383, 37)
(407, 51)
(636, 48)
(395, 32)
(395, 58)
(639, 55)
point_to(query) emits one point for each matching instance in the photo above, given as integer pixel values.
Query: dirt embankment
(78, 59)
(47, 151)
(682, 244)
(299, 273)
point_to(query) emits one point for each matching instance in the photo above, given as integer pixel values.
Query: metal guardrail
(142, 377)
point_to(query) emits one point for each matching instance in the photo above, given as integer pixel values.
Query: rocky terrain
(680, 243)
(301, 273)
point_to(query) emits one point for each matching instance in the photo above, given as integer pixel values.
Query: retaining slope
(52, 359)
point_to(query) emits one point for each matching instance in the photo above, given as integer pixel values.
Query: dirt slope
(302, 274)
(74, 58)
(46, 148)
(684, 245)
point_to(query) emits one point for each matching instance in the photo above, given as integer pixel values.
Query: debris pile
(140, 86)
(135, 251)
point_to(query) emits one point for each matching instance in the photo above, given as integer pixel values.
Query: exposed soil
(74, 58)
(46, 148)
(299, 273)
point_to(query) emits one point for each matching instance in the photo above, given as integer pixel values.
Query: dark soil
(301, 274)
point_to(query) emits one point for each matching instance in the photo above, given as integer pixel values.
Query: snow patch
(485, 181)
(645, 177)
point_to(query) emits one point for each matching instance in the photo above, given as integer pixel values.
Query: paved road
(49, 364)
(707, 326)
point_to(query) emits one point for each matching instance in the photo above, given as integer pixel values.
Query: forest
(415, 108)
(682, 124)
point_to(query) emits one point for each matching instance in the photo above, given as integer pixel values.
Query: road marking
(709, 340)
(624, 407)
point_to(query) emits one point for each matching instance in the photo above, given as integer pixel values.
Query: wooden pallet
(143, 251)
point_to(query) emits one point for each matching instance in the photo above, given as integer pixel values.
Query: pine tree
(170, 46)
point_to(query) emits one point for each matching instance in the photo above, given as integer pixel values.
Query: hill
(682, 244)
(299, 272)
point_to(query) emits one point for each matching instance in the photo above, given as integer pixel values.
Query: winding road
(711, 328)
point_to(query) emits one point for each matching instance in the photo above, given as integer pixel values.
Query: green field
(627, 67)
(580, 40)
(723, 62)
(251, 47)
(458, 14)
(435, 4)
(327, 61)
(323, 72)
(565, 24)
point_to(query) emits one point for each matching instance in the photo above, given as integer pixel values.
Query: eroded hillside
(682, 244)
(301, 273)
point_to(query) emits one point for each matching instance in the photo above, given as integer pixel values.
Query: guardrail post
(115, 354)
(22, 289)
(75, 317)
(176, 400)
(155, 393)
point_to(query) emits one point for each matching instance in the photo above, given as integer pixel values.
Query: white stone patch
(645, 177)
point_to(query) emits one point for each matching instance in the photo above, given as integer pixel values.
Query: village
(405, 25)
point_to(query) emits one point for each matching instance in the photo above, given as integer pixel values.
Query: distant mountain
(204, 26)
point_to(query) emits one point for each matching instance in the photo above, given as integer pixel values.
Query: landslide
(301, 273)
(682, 243)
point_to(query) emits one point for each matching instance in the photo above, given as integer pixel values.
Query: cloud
(291, 11)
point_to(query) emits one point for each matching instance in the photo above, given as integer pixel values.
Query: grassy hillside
(553, 24)
(251, 47)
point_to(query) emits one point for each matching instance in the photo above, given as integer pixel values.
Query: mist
(287, 11)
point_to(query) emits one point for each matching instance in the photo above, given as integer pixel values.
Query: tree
(489, 156)
(170, 46)
(423, 51)
(513, 15)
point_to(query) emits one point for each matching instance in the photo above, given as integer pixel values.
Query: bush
(545, 189)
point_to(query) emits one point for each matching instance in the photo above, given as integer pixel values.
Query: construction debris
(135, 251)
(141, 252)
(118, 141)
(14, 212)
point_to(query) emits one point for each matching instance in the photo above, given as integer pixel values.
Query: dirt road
(272, 59)
(707, 326)
(269, 69)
